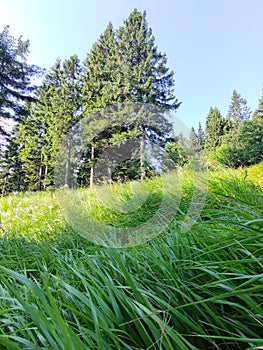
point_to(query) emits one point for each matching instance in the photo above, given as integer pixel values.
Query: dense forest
(123, 67)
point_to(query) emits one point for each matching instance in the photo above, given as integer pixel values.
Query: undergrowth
(199, 289)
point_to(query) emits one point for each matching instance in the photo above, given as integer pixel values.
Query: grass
(199, 289)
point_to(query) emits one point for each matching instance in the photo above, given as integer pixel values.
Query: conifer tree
(126, 67)
(15, 84)
(250, 142)
(16, 90)
(146, 77)
(259, 111)
(101, 72)
(213, 130)
(238, 113)
(57, 109)
(238, 110)
(193, 141)
(12, 172)
(201, 136)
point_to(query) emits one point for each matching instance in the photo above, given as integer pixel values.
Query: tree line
(234, 140)
(124, 67)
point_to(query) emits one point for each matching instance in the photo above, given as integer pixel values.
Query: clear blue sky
(213, 46)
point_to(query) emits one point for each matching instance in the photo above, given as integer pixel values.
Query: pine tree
(213, 130)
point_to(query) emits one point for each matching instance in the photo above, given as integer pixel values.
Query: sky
(212, 46)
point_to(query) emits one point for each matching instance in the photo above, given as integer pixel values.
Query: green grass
(199, 289)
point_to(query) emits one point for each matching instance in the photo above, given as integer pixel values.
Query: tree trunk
(4, 185)
(39, 183)
(70, 180)
(92, 156)
(46, 172)
(18, 182)
(142, 158)
(109, 170)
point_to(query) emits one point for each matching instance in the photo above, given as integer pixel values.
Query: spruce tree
(145, 75)
(250, 142)
(126, 67)
(201, 136)
(16, 90)
(12, 172)
(250, 138)
(193, 143)
(238, 113)
(57, 109)
(15, 75)
(238, 110)
(101, 73)
(259, 111)
(214, 130)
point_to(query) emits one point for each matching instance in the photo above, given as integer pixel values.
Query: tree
(126, 67)
(243, 144)
(250, 142)
(259, 111)
(177, 152)
(201, 136)
(16, 91)
(15, 79)
(229, 153)
(100, 78)
(247, 150)
(12, 174)
(57, 109)
(214, 130)
(193, 143)
(238, 110)
(145, 74)
(101, 73)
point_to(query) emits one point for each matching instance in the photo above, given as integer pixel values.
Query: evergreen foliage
(15, 78)
(16, 92)
(125, 67)
(250, 142)
(259, 111)
(201, 136)
(238, 110)
(213, 129)
(55, 111)
(242, 142)
(120, 92)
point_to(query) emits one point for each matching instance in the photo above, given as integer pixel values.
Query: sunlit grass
(201, 289)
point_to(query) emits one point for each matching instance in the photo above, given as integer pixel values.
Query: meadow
(199, 289)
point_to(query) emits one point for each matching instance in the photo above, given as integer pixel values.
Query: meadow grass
(199, 289)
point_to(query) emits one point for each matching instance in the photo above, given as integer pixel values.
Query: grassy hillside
(199, 289)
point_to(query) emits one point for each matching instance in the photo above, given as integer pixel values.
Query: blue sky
(213, 46)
